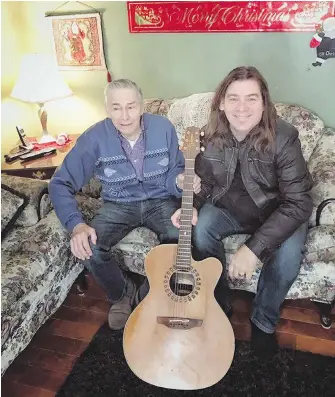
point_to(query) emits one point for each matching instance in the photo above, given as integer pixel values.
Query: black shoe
(121, 310)
(317, 63)
(263, 344)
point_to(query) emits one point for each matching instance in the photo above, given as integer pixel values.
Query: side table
(42, 168)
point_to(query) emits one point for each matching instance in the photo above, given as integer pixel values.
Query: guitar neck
(185, 232)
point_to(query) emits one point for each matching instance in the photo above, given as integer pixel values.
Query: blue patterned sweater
(98, 152)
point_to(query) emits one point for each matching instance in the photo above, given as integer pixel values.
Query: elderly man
(135, 156)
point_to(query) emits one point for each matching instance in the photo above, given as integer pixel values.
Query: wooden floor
(42, 367)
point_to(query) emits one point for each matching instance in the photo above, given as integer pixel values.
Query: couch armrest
(320, 209)
(322, 168)
(36, 192)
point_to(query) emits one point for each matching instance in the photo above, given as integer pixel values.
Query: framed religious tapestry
(78, 41)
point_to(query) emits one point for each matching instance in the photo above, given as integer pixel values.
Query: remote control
(37, 155)
(15, 156)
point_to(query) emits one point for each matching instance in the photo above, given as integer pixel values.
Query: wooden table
(40, 168)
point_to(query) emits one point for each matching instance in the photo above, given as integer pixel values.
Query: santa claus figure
(75, 36)
(324, 42)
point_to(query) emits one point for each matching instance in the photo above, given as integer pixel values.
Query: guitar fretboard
(185, 232)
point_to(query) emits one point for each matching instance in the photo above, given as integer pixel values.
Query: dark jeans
(276, 277)
(112, 223)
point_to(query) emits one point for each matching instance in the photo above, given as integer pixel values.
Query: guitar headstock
(191, 142)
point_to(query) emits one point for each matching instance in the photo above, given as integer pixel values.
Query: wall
(164, 65)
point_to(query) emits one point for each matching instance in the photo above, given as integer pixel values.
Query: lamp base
(46, 138)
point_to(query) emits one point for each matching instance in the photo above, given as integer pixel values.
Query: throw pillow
(12, 205)
(37, 192)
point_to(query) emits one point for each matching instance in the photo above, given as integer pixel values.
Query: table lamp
(40, 81)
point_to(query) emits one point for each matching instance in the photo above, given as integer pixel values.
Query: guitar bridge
(179, 322)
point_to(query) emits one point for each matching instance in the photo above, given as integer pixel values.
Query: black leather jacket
(279, 183)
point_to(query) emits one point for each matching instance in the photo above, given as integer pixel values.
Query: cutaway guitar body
(178, 337)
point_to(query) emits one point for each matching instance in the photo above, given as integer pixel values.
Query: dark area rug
(102, 371)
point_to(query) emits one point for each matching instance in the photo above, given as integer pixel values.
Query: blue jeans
(112, 223)
(276, 277)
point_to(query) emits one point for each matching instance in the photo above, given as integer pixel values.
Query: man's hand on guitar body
(80, 246)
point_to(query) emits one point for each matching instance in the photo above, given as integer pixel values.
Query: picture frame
(77, 41)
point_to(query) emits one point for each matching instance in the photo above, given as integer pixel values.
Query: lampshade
(39, 80)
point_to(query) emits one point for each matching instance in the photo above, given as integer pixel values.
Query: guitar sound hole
(182, 284)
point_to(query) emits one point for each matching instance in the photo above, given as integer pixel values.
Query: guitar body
(178, 337)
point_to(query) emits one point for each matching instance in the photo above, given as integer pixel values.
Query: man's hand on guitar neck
(175, 218)
(196, 182)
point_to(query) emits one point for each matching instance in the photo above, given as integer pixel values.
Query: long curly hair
(262, 136)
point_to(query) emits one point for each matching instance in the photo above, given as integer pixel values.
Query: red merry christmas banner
(226, 16)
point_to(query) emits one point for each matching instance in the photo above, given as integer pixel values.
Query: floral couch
(38, 268)
(316, 279)
(317, 275)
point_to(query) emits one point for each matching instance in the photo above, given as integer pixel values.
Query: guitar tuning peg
(202, 149)
(202, 133)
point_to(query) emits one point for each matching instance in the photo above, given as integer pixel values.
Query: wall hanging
(78, 40)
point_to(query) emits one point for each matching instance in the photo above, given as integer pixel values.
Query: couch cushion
(133, 248)
(92, 188)
(320, 245)
(36, 191)
(315, 280)
(190, 111)
(158, 106)
(28, 255)
(12, 205)
(309, 125)
(35, 308)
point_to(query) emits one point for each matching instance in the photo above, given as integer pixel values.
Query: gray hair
(123, 83)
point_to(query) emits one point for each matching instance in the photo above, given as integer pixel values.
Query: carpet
(101, 370)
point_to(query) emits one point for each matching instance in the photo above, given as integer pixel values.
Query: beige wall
(26, 30)
(164, 65)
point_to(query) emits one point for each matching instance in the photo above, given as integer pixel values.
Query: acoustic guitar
(178, 337)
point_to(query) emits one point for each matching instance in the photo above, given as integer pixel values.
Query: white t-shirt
(132, 143)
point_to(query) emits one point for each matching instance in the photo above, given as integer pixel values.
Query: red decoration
(226, 16)
(55, 145)
(109, 77)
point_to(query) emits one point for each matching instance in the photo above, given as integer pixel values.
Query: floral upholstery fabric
(93, 188)
(37, 272)
(37, 193)
(309, 125)
(322, 167)
(158, 106)
(37, 269)
(11, 204)
(36, 308)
